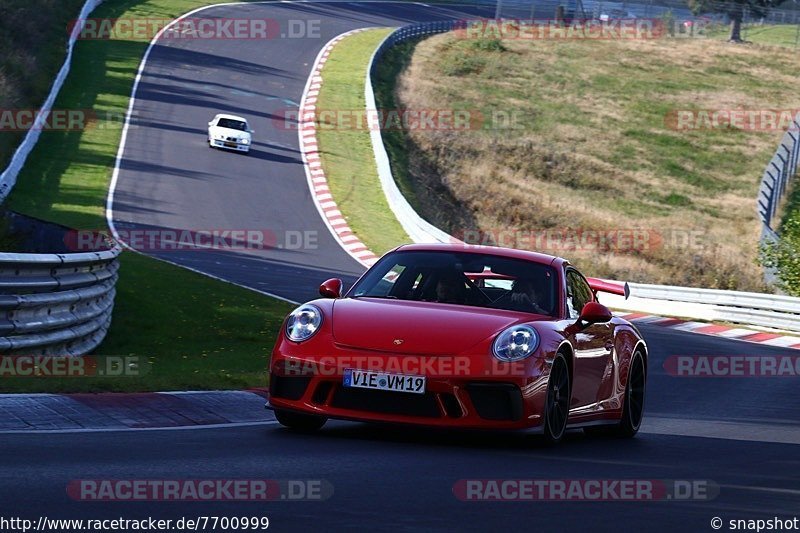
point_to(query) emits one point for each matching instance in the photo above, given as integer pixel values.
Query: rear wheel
(299, 421)
(556, 410)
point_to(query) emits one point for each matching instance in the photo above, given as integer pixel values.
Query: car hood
(229, 132)
(423, 327)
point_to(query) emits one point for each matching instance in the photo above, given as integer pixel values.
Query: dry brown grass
(593, 150)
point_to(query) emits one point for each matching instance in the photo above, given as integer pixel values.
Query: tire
(556, 407)
(632, 403)
(300, 422)
(633, 406)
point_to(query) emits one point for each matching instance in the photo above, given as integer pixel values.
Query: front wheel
(633, 408)
(299, 421)
(633, 403)
(556, 410)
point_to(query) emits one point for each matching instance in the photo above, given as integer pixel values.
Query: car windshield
(462, 278)
(232, 124)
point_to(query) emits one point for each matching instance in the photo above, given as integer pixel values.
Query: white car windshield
(232, 124)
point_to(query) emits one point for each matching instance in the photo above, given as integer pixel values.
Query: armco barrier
(56, 304)
(767, 310)
(417, 228)
(8, 178)
(774, 183)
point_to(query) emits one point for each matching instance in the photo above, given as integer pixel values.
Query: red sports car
(464, 337)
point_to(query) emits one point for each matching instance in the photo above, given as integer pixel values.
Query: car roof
(512, 253)
(232, 117)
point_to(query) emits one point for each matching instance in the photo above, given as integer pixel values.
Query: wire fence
(779, 26)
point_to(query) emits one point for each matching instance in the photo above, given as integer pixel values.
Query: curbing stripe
(309, 148)
(716, 330)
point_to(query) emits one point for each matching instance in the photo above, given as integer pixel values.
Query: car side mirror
(252, 131)
(595, 313)
(211, 123)
(331, 288)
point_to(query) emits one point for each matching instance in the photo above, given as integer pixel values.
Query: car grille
(390, 403)
(231, 139)
(290, 388)
(496, 401)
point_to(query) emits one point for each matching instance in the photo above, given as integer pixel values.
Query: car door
(593, 344)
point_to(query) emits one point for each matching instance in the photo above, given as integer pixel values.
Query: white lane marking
(721, 429)
(129, 113)
(114, 430)
(121, 152)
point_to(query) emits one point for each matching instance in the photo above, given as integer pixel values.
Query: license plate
(230, 145)
(362, 379)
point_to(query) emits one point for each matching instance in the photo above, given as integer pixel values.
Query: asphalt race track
(170, 179)
(742, 435)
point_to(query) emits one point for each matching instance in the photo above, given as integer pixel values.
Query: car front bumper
(227, 145)
(476, 397)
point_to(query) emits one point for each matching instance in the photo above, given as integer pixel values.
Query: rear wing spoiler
(611, 287)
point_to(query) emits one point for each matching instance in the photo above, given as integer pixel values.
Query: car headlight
(244, 141)
(303, 322)
(515, 343)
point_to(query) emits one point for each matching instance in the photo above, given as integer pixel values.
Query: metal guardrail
(419, 229)
(767, 310)
(780, 170)
(56, 304)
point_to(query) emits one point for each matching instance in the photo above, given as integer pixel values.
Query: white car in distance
(230, 132)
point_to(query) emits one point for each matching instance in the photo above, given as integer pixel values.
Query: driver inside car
(450, 289)
(524, 297)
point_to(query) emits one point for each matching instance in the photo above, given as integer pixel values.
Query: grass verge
(346, 149)
(592, 144)
(195, 332)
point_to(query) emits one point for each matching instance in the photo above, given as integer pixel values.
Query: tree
(735, 10)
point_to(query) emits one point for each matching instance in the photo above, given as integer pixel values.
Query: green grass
(197, 333)
(769, 34)
(346, 153)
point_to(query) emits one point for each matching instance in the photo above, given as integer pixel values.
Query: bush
(784, 255)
